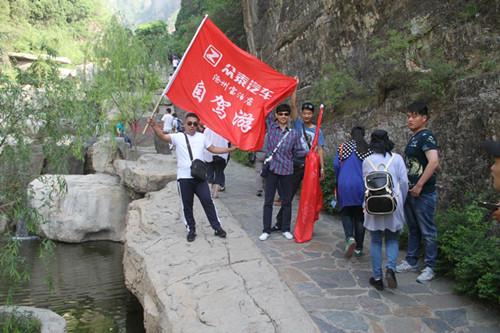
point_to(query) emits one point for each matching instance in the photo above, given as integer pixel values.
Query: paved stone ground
(335, 291)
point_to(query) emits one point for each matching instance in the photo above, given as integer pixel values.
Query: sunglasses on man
(192, 123)
(283, 114)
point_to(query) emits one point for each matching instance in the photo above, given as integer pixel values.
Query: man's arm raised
(159, 133)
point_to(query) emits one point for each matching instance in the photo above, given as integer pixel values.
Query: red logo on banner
(229, 89)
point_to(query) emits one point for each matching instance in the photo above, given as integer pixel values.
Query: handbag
(198, 167)
(266, 166)
(264, 172)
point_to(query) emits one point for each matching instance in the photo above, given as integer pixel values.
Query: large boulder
(80, 208)
(151, 172)
(102, 154)
(211, 285)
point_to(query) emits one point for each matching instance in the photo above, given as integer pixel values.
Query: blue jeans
(391, 250)
(419, 213)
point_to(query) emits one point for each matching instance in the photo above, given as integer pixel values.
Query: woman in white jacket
(389, 225)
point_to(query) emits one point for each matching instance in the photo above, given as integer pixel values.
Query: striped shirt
(282, 161)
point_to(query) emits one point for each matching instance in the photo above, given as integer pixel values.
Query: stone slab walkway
(335, 291)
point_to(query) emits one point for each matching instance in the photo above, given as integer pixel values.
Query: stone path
(335, 291)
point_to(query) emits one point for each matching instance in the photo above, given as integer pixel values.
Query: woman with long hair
(389, 225)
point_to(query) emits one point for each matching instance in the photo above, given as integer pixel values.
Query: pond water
(88, 287)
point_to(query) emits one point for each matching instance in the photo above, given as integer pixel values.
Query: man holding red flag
(229, 89)
(190, 145)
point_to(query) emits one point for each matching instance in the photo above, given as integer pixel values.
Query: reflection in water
(87, 287)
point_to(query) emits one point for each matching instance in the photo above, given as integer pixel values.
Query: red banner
(229, 89)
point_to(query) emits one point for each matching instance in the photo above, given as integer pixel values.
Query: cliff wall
(390, 53)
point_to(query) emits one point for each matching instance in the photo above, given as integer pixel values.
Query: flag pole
(171, 80)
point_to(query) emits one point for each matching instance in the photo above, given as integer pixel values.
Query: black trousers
(296, 179)
(215, 171)
(188, 187)
(283, 185)
(352, 221)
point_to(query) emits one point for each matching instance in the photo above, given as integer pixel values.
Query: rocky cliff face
(300, 37)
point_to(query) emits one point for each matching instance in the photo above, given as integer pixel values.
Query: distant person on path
(216, 162)
(177, 125)
(175, 62)
(422, 162)
(305, 127)
(388, 226)
(348, 166)
(186, 184)
(120, 132)
(167, 121)
(493, 148)
(280, 170)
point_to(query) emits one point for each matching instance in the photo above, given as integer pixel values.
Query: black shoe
(191, 236)
(390, 278)
(275, 228)
(259, 193)
(220, 232)
(378, 284)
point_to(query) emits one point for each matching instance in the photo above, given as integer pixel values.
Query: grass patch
(17, 322)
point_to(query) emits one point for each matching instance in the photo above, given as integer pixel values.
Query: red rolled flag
(311, 196)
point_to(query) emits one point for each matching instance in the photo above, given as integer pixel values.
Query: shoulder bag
(198, 167)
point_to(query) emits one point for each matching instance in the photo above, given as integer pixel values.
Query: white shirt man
(186, 184)
(167, 121)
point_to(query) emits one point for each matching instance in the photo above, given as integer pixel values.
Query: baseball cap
(492, 147)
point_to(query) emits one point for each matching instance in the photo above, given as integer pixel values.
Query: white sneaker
(264, 236)
(404, 266)
(426, 275)
(288, 235)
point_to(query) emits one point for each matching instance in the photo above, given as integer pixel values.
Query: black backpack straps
(305, 136)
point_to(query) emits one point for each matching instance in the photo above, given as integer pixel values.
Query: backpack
(379, 191)
(179, 125)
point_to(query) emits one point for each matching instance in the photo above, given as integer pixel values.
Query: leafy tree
(156, 39)
(50, 117)
(226, 14)
(125, 77)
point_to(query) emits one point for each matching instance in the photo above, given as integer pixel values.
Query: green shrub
(16, 322)
(390, 52)
(437, 81)
(328, 185)
(241, 157)
(335, 85)
(469, 251)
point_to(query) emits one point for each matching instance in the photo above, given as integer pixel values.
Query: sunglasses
(192, 123)
(308, 106)
(283, 114)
